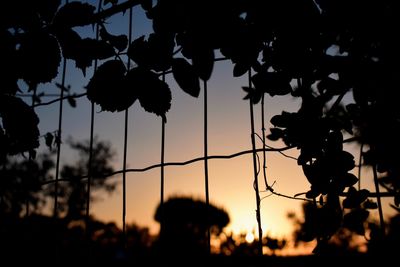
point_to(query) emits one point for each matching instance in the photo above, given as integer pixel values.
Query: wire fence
(257, 164)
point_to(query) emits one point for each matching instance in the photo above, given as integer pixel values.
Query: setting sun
(249, 237)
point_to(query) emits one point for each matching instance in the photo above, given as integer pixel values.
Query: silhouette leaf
(369, 204)
(154, 53)
(349, 179)
(146, 4)
(71, 101)
(203, 61)
(120, 42)
(276, 134)
(273, 83)
(355, 198)
(74, 14)
(47, 9)
(113, 2)
(20, 125)
(69, 41)
(355, 219)
(41, 57)
(154, 95)
(138, 51)
(397, 199)
(89, 50)
(108, 87)
(186, 77)
(284, 120)
(49, 138)
(240, 69)
(8, 65)
(253, 94)
(160, 47)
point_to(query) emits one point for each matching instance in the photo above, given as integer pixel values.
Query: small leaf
(253, 95)
(283, 120)
(186, 77)
(71, 101)
(41, 56)
(369, 204)
(321, 200)
(74, 14)
(154, 95)
(276, 134)
(203, 61)
(113, 2)
(91, 49)
(138, 51)
(109, 89)
(120, 42)
(397, 199)
(355, 219)
(273, 83)
(146, 4)
(240, 69)
(20, 125)
(57, 139)
(49, 138)
(312, 194)
(349, 179)
(335, 141)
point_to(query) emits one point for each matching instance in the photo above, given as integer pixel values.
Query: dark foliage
(183, 226)
(317, 51)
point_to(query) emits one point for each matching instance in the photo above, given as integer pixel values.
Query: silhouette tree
(183, 226)
(22, 180)
(72, 195)
(21, 185)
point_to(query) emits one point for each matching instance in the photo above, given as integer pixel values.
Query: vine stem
(162, 168)
(264, 143)
(258, 199)
(208, 233)
(378, 199)
(90, 159)
(124, 239)
(360, 166)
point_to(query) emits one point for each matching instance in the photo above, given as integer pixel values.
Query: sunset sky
(230, 181)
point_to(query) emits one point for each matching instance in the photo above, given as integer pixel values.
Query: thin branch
(336, 103)
(206, 167)
(115, 9)
(378, 198)
(183, 163)
(59, 99)
(280, 152)
(255, 183)
(360, 166)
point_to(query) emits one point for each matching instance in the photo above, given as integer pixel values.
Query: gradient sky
(230, 181)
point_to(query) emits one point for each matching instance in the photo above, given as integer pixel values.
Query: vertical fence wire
(263, 130)
(378, 198)
(58, 137)
(208, 233)
(163, 122)
(360, 165)
(257, 192)
(90, 159)
(126, 124)
(27, 211)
